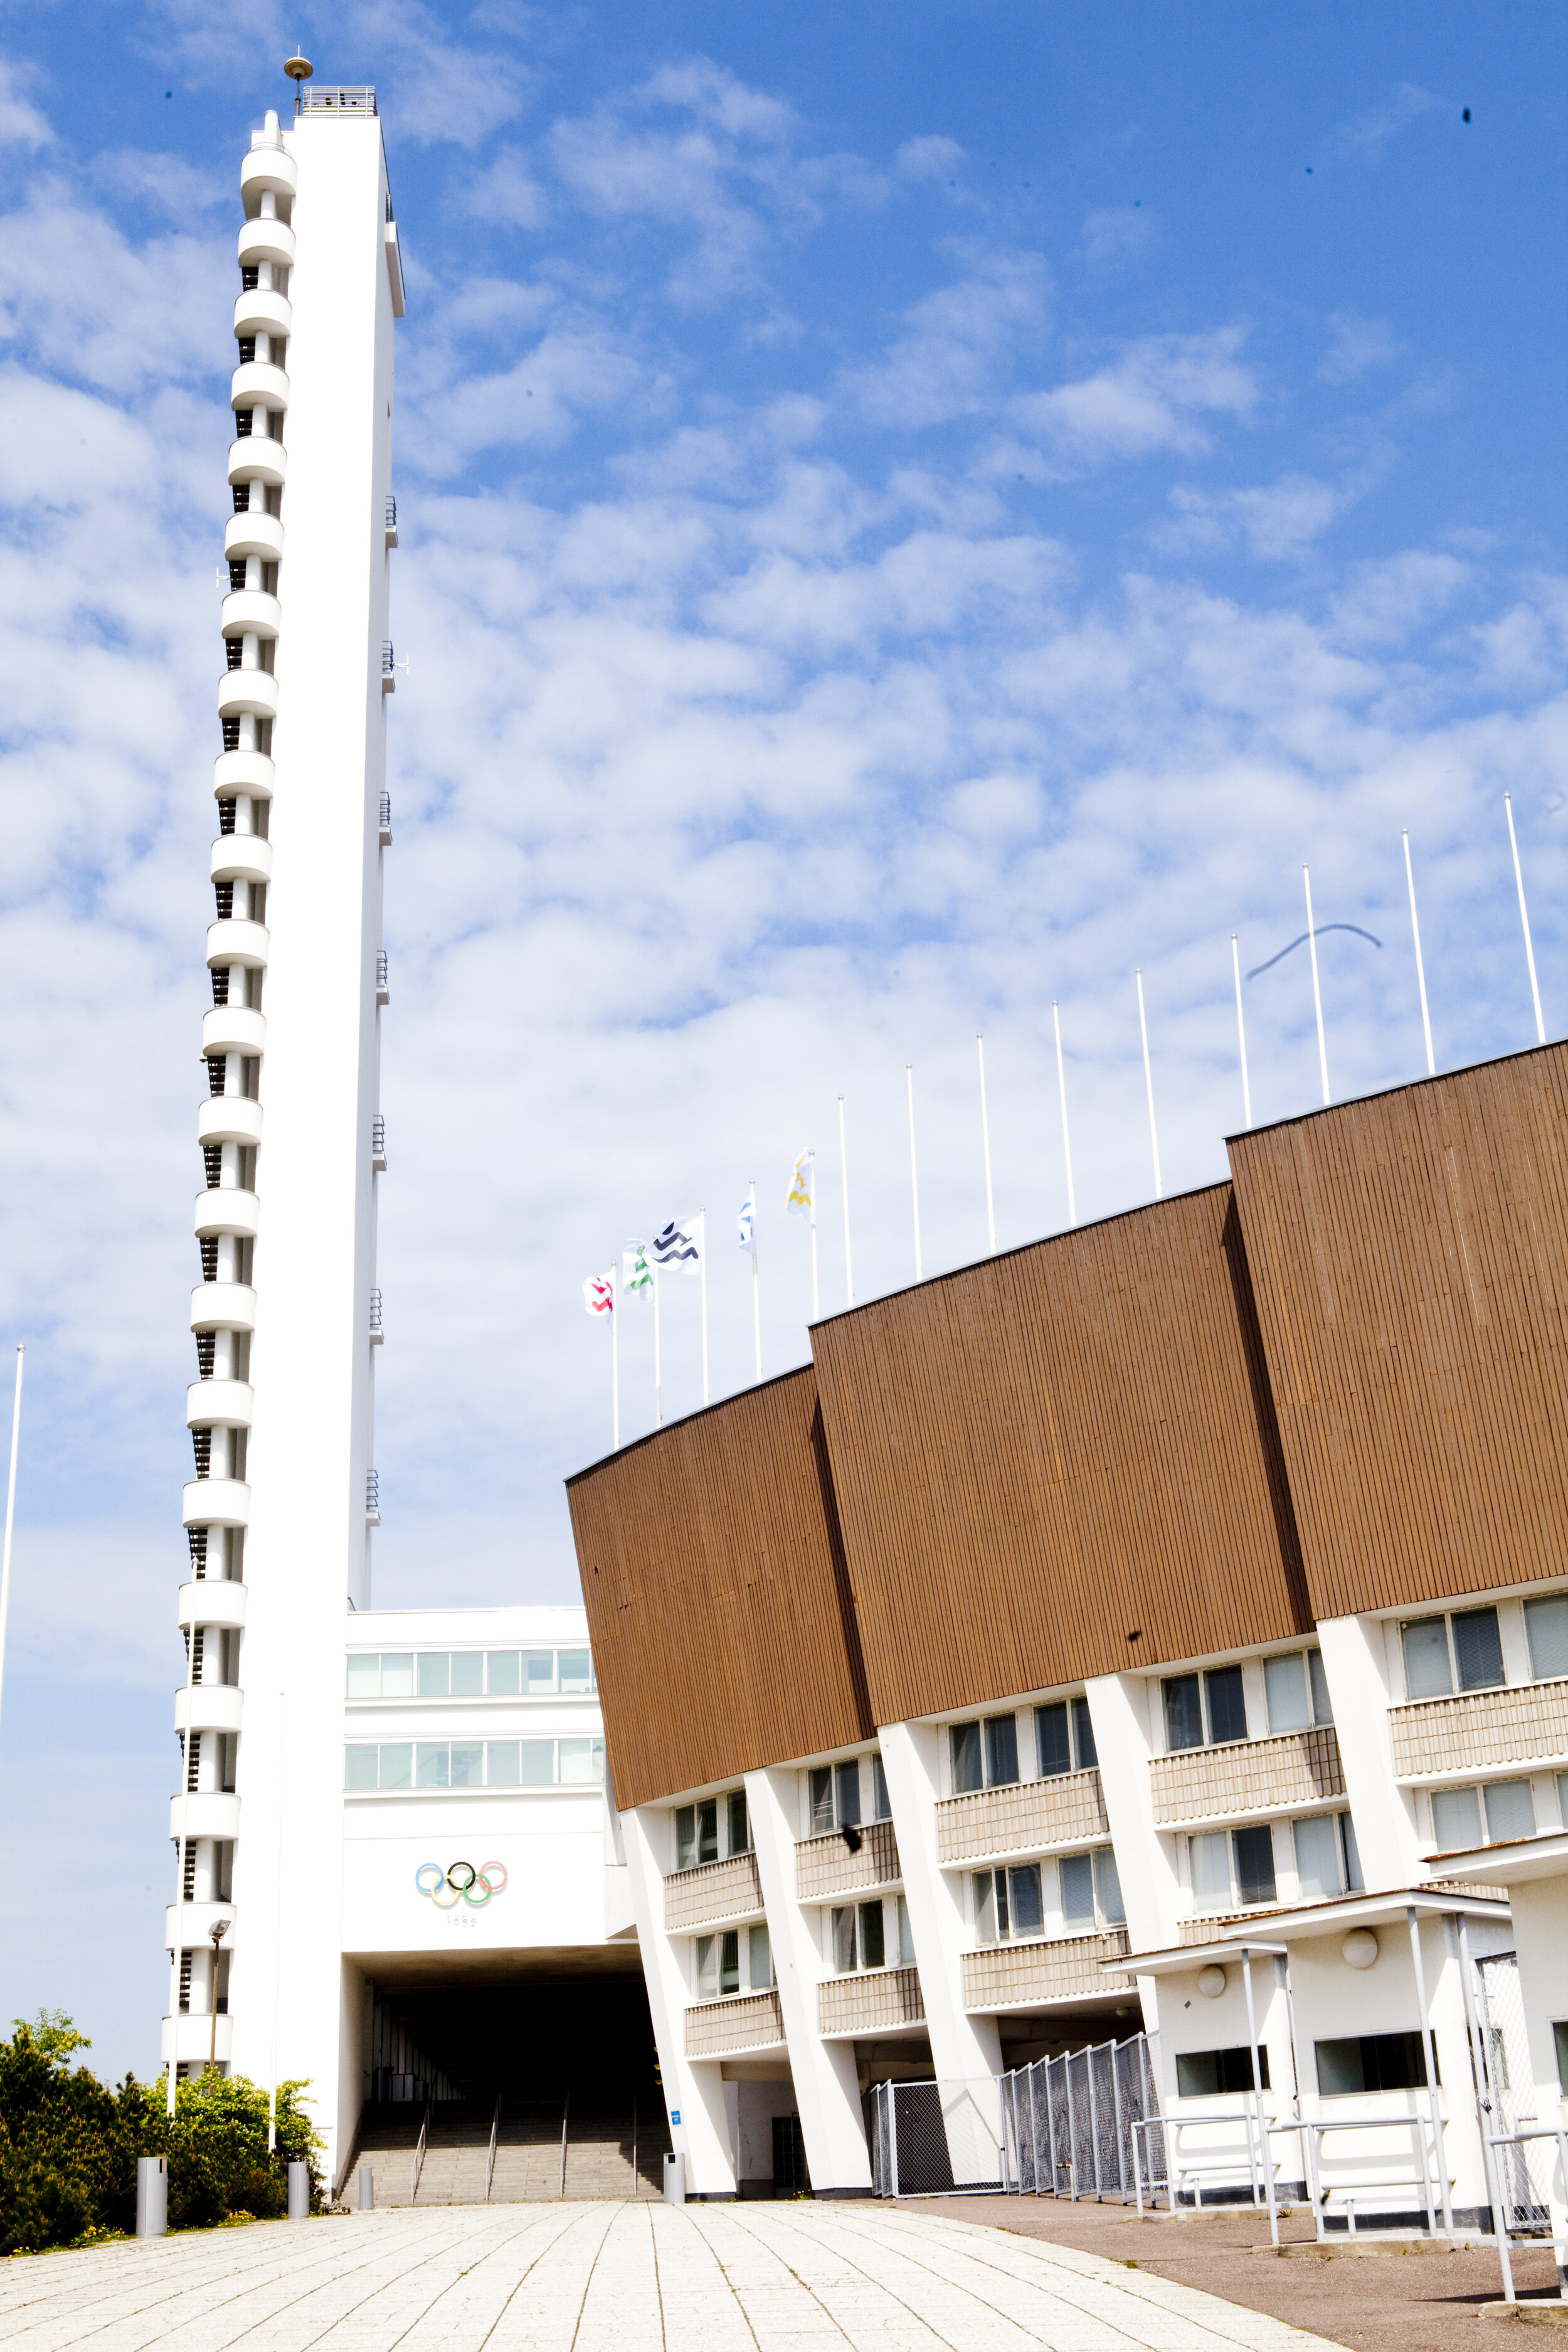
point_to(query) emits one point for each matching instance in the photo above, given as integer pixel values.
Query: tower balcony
(233, 1029)
(198, 2034)
(228, 1119)
(267, 241)
(267, 171)
(209, 1706)
(251, 612)
(218, 1601)
(262, 312)
(222, 1307)
(235, 939)
(257, 461)
(214, 1814)
(241, 857)
(189, 1925)
(227, 1208)
(217, 1503)
(243, 771)
(240, 691)
(256, 384)
(254, 534)
(219, 1404)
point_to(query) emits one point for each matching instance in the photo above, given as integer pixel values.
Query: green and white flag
(638, 1272)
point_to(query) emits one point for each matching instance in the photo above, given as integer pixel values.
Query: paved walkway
(614, 2278)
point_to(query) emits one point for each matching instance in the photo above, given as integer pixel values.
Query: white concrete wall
(962, 2045)
(703, 2121)
(1540, 1939)
(1145, 1862)
(1356, 1666)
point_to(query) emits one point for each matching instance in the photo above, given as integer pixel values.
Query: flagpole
(844, 1185)
(986, 1142)
(657, 1397)
(1420, 968)
(1524, 919)
(1062, 1090)
(1148, 1085)
(615, 1362)
(816, 1305)
(1241, 1032)
(1317, 992)
(702, 1269)
(756, 1288)
(10, 1514)
(914, 1174)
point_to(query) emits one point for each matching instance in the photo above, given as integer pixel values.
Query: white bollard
(152, 2196)
(299, 2192)
(675, 2178)
(366, 2189)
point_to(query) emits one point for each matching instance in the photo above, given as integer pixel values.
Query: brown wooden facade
(1337, 1383)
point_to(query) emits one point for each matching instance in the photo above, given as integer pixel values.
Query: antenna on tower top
(299, 69)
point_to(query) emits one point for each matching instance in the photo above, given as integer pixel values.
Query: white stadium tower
(392, 1852)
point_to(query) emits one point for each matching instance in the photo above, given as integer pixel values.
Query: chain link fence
(1061, 2127)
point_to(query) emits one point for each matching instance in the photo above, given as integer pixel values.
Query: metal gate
(937, 2139)
(1523, 2170)
(1060, 2127)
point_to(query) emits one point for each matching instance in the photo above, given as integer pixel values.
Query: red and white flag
(599, 1294)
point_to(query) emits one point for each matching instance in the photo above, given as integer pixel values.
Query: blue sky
(907, 514)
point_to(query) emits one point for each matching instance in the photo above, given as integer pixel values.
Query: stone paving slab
(614, 2277)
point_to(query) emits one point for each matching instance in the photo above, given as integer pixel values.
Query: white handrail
(1558, 2131)
(490, 2166)
(419, 2155)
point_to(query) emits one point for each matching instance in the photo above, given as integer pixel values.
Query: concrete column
(693, 2090)
(1145, 1862)
(1355, 1665)
(826, 2080)
(960, 2045)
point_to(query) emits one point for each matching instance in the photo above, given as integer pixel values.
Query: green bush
(68, 2145)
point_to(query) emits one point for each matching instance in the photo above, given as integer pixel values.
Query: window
(434, 1764)
(1064, 1737)
(1107, 1888)
(717, 1963)
(469, 1673)
(963, 1739)
(846, 1793)
(1457, 1814)
(881, 1805)
(697, 1826)
(502, 1679)
(707, 1829)
(1296, 1690)
(364, 1677)
(994, 1740)
(1206, 1709)
(435, 1674)
(738, 1826)
(1008, 1904)
(1212, 2074)
(1371, 2061)
(1000, 1750)
(1560, 2039)
(906, 1936)
(859, 1936)
(844, 1947)
(1463, 1652)
(760, 1972)
(359, 1767)
(1546, 1624)
(1075, 1875)
(873, 1948)
(577, 1671)
(1327, 1862)
(1232, 1866)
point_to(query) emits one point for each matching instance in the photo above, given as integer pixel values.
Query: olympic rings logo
(460, 1883)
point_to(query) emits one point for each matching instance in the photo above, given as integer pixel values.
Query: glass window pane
(435, 1674)
(397, 1673)
(685, 1836)
(707, 1829)
(707, 1967)
(1226, 1704)
(906, 1936)
(1546, 1622)
(737, 1827)
(1354, 1883)
(1560, 2039)
(1083, 1735)
(537, 1762)
(468, 1673)
(1000, 1750)
(1184, 1712)
(1002, 1928)
(1255, 1862)
(1285, 1682)
(501, 1764)
(1318, 1855)
(576, 1671)
(729, 1960)
(430, 1764)
(500, 1673)
(873, 1948)
(397, 1764)
(1108, 1887)
(984, 1906)
(759, 1960)
(844, 1939)
(1210, 1857)
(1562, 1799)
(1478, 1649)
(364, 1677)
(580, 1766)
(1323, 1706)
(1456, 1818)
(882, 1809)
(1426, 1674)
(1052, 1741)
(1510, 1810)
(821, 1800)
(847, 1777)
(468, 1763)
(539, 1670)
(1076, 1873)
(967, 1773)
(1024, 1903)
(359, 1767)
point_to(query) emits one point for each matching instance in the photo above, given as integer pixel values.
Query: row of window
(1463, 1651)
(470, 1674)
(842, 1796)
(697, 1830)
(984, 1754)
(474, 1764)
(875, 1935)
(1233, 1868)
(739, 1960)
(1073, 1896)
(1363, 2061)
(1509, 1807)
(1209, 1711)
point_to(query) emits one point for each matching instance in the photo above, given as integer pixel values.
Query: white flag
(802, 1191)
(599, 1293)
(746, 1222)
(638, 1282)
(674, 1247)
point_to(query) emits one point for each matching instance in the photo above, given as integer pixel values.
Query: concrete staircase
(599, 2149)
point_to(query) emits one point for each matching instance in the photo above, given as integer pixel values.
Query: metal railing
(1559, 2238)
(1068, 2121)
(376, 1311)
(490, 2160)
(385, 825)
(373, 1492)
(419, 2148)
(380, 968)
(391, 512)
(337, 101)
(386, 661)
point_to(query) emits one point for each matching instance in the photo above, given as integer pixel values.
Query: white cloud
(1275, 519)
(21, 124)
(931, 157)
(1368, 133)
(1114, 234)
(1358, 344)
(1151, 397)
(957, 345)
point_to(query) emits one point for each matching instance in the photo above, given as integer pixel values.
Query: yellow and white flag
(800, 1200)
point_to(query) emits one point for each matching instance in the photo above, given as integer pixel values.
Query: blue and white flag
(746, 1222)
(638, 1273)
(676, 1247)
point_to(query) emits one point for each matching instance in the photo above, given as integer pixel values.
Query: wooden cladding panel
(1409, 1257)
(717, 1601)
(1043, 1454)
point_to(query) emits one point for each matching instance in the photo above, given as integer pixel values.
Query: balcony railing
(1024, 1817)
(1248, 1776)
(382, 993)
(391, 512)
(376, 1324)
(870, 2000)
(1013, 1976)
(752, 2020)
(385, 825)
(372, 1494)
(337, 101)
(714, 1890)
(378, 1147)
(825, 1865)
(386, 661)
(1522, 1725)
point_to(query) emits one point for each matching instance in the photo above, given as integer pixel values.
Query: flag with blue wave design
(674, 1247)
(746, 1222)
